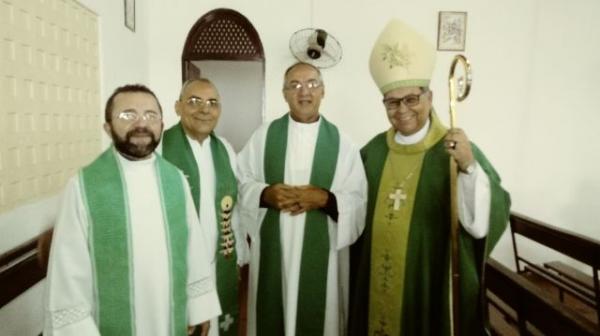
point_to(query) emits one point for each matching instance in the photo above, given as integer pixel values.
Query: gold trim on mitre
(401, 57)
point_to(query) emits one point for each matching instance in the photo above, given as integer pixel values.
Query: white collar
(313, 126)
(193, 141)
(135, 163)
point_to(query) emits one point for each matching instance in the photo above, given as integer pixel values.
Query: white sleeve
(252, 183)
(69, 289)
(474, 196)
(350, 190)
(203, 302)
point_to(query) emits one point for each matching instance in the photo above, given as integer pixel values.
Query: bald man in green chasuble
(400, 267)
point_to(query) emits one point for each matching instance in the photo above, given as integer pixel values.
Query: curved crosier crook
(462, 84)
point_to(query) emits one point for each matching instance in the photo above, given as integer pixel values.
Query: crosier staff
(459, 88)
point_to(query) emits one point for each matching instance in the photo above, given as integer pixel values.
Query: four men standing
(130, 257)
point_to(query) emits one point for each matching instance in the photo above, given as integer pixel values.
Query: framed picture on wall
(452, 31)
(130, 14)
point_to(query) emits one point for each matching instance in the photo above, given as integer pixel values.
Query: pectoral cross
(398, 196)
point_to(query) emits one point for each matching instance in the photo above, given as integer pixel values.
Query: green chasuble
(176, 148)
(104, 191)
(400, 266)
(312, 287)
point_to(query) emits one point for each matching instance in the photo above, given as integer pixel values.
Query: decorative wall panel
(50, 111)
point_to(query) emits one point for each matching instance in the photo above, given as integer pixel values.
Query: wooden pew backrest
(532, 305)
(576, 246)
(584, 249)
(23, 267)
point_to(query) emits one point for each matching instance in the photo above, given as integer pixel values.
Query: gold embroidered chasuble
(391, 227)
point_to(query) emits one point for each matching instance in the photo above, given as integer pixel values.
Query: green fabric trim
(312, 293)
(374, 156)
(269, 300)
(227, 273)
(105, 198)
(177, 149)
(172, 195)
(107, 205)
(427, 286)
(404, 83)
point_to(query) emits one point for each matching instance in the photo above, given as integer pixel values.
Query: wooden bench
(571, 274)
(527, 308)
(23, 267)
(584, 287)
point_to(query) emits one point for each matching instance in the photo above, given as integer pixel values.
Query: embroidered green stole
(104, 192)
(177, 149)
(310, 317)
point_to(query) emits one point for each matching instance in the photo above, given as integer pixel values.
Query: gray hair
(195, 80)
(291, 67)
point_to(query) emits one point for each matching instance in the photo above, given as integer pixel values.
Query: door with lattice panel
(224, 47)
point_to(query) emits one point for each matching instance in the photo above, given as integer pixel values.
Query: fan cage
(331, 54)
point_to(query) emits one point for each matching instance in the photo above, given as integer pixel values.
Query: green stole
(312, 292)
(425, 298)
(104, 192)
(176, 148)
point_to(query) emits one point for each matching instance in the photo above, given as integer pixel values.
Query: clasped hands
(294, 199)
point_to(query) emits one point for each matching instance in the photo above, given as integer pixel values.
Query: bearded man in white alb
(127, 255)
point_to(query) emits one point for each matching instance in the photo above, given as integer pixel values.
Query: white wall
(23, 316)
(551, 150)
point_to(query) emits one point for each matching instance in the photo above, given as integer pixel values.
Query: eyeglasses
(311, 85)
(411, 100)
(196, 103)
(132, 116)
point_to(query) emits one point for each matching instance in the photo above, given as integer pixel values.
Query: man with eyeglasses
(128, 255)
(303, 196)
(400, 267)
(208, 162)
